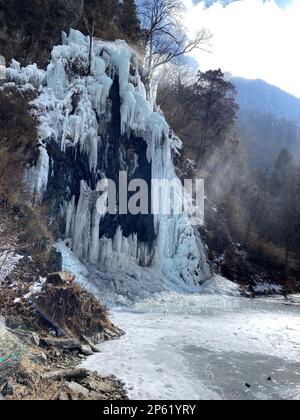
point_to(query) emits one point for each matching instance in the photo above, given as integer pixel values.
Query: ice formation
(72, 106)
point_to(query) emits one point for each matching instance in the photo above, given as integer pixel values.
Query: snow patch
(8, 261)
(267, 288)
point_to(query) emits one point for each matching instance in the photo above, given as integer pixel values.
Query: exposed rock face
(30, 28)
(116, 152)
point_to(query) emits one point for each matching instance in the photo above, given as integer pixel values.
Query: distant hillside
(269, 120)
(265, 136)
(257, 95)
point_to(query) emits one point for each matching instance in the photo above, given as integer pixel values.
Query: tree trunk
(287, 260)
(90, 55)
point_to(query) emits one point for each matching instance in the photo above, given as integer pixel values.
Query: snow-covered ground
(206, 347)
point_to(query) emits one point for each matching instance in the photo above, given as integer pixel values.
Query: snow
(29, 75)
(219, 285)
(267, 288)
(35, 288)
(200, 347)
(8, 261)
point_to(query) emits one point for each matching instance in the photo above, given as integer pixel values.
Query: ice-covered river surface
(200, 347)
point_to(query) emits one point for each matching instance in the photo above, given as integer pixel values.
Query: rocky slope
(30, 28)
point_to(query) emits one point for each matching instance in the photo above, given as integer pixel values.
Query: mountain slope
(257, 95)
(268, 120)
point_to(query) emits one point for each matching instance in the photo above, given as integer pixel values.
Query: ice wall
(77, 111)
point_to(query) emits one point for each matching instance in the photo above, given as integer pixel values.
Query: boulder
(78, 389)
(86, 350)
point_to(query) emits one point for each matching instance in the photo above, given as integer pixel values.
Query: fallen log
(67, 344)
(67, 375)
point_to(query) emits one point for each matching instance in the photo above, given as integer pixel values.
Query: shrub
(18, 142)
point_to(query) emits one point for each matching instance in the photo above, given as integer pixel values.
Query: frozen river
(206, 347)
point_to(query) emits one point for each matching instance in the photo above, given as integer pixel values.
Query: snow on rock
(35, 288)
(8, 261)
(71, 106)
(29, 75)
(267, 288)
(219, 285)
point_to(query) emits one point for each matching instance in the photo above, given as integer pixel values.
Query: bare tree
(164, 34)
(90, 27)
(170, 77)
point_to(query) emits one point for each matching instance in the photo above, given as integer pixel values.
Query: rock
(7, 390)
(77, 388)
(93, 347)
(59, 279)
(96, 396)
(86, 350)
(97, 384)
(269, 379)
(36, 339)
(247, 385)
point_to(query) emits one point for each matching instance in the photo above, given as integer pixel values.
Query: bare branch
(164, 34)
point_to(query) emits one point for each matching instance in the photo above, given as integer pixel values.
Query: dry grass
(31, 384)
(74, 309)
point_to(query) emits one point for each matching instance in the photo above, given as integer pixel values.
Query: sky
(256, 39)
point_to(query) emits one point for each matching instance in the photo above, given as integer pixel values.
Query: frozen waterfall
(76, 111)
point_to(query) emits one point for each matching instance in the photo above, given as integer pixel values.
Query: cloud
(251, 38)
